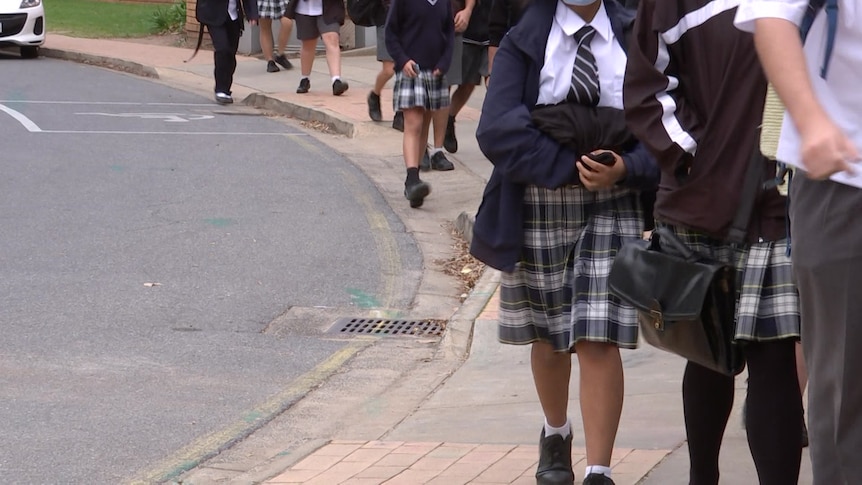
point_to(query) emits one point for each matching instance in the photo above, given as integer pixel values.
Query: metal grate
(382, 327)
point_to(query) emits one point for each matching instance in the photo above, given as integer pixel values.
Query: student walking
(420, 37)
(270, 10)
(224, 22)
(319, 19)
(822, 133)
(700, 119)
(387, 71)
(552, 218)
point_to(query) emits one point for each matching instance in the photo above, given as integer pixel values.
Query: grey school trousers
(826, 237)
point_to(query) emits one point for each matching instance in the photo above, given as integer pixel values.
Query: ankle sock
(412, 176)
(434, 151)
(564, 430)
(335, 78)
(598, 469)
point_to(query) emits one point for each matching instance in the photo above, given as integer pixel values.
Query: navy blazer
(523, 155)
(214, 12)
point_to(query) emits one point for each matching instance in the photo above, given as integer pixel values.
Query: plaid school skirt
(423, 91)
(558, 292)
(271, 9)
(768, 306)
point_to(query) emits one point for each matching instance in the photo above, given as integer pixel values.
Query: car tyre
(29, 52)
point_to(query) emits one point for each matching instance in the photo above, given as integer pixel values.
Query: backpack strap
(831, 8)
(200, 40)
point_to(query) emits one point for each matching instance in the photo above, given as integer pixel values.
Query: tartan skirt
(423, 91)
(768, 304)
(271, 9)
(558, 292)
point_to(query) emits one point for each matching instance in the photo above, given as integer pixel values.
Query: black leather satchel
(686, 303)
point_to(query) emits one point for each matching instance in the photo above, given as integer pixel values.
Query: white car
(22, 24)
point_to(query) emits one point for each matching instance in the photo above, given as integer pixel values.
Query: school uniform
(553, 239)
(224, 22)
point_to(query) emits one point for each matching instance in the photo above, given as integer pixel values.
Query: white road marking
(167, 117)
(27, 122)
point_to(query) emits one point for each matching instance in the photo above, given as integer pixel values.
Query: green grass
(101, 19)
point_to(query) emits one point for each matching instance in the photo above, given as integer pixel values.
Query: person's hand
(411, 69)
(462, 19)
(826, 150)
(596, 176)
(252, 22)
(437, 72)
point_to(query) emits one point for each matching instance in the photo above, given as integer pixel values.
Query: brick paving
(344, 462)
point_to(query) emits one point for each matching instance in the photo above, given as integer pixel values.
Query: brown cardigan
(333, 11)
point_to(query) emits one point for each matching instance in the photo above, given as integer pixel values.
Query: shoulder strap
(200, 40)
(751, 188)
(831, 8)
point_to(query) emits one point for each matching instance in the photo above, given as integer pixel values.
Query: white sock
(564, 430)
(435, 150)
(335, 78)
(303, 77)
(599, 469)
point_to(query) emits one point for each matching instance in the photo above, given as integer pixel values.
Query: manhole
(383, 327)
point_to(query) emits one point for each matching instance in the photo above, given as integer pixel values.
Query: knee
(596, 351)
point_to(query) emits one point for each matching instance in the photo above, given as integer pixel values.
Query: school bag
(366, 13)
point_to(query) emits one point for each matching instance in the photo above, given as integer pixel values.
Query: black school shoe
(555, 460)
(304, 86)
(425, 163)
(598, 479)
(374, 107)
(282, 61)
(440, 162)
(416, 193)
(339, 87)
(450, 141)
(271, 67)
(398, 121)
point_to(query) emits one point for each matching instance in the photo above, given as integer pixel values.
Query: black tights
(773, 419)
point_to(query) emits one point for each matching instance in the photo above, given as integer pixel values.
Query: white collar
(571, 22)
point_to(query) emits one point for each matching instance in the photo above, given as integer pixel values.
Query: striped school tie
(585, 75)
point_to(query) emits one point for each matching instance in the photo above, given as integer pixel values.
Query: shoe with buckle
(450, 142)
(282, 61)
(416, 193)
(374, 107)
(223, 98)
(555, 460)
(598, 479)
(398, 121)
(339, 87)
(271, 67)
(304, 86)
(441, 163)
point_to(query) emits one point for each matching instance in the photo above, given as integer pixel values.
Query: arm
(656, 110)
(393, 35)
(462, 17)
(507, 135)
(826, 149)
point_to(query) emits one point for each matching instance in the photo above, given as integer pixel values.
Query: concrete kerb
(304, 113)
(102, 61)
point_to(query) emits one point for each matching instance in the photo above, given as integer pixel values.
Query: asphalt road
(148, 238)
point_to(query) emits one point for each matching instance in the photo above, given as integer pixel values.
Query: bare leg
(551, 373)
(333, 52)
(266, 37)
(601, 390)
(441, 117)
(306, 56)
(460, 97)
(284, 33)
(801, 369)
(387, 70)
(414, 126)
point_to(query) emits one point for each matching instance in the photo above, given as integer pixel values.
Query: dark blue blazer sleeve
(642, 170)
(506, 134)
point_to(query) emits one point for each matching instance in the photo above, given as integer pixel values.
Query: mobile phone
(605, 158)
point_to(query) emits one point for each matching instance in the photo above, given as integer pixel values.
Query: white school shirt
(555, 80)
(309, 7)
(839, 93)
(231, 9)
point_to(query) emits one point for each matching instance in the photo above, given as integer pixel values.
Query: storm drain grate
(383, 327)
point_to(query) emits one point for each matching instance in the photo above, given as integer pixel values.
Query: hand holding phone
(605, 158)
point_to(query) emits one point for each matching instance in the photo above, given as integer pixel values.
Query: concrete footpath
(482, 423)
